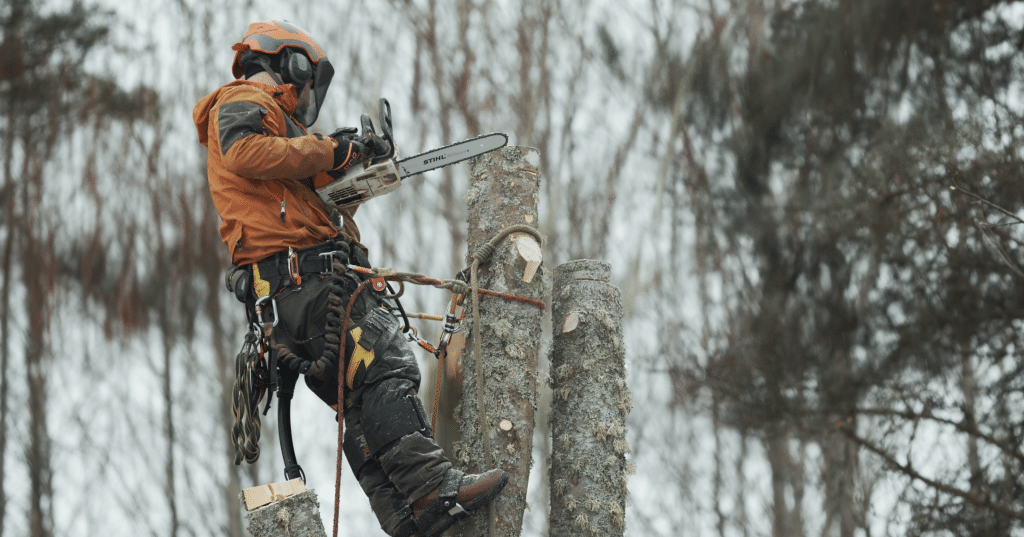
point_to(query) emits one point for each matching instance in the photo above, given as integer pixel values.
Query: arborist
(295, 257)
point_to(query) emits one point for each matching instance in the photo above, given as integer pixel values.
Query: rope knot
(457, 287)
(484, 253)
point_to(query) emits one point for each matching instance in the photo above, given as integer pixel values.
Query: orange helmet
(272, 38)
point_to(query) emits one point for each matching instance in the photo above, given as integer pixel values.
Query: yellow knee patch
(359, 356)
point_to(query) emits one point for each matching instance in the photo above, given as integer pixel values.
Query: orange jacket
(260, 166)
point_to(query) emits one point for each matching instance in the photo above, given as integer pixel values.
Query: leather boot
(454, 499)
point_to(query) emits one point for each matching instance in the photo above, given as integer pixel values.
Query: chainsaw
(384, 173)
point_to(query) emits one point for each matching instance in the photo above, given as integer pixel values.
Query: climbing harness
(258, 368)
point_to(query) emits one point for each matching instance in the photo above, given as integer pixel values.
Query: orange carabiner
(293, 267)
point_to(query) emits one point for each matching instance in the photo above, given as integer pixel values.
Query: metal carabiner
(449, 327)
(260, 311)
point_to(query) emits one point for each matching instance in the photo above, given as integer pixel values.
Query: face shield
(309, 106)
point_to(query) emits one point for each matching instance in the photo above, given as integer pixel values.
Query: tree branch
(988, 203)
(961, 426)
(984, 502)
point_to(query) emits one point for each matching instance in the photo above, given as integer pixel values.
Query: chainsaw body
(362, 182)
(371, 178)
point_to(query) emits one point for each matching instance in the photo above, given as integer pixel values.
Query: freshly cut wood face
(529, 249)
(261, 495)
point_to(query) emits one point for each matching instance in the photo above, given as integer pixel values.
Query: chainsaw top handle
(384, 120)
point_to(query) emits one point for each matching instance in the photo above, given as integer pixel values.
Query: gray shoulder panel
(238, 119)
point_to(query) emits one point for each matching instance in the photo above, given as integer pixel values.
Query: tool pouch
(239, 281)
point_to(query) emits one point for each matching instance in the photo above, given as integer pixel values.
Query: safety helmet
(298, 59)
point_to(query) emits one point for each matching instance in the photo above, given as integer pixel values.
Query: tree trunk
(213, 270)
(7, 273)
(591, 400)
(36, 276)
(497, 423)
(170, 432)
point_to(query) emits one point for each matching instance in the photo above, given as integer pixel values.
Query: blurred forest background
(823, 336)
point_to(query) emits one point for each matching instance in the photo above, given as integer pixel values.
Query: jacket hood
(285, 96)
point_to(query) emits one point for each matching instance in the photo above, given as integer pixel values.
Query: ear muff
(296, 68)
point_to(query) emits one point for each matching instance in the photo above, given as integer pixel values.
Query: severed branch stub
(570, 322)
(529, 250)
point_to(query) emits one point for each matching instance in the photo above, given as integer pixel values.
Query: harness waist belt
(316, 259)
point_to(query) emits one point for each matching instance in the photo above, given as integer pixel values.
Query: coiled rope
(251, 381)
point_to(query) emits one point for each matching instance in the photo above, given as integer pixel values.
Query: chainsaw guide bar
(451, 154)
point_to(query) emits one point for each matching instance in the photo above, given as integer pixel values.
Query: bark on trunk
(295, 516)
(503, 192)
(591, 401)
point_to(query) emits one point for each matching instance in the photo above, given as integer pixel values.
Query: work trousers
(388, 441)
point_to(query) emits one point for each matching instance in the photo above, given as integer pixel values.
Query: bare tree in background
(859, 295)
(42, 84)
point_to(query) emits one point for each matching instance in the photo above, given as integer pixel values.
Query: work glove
(370, 138)
(349, 150)
(375, 143)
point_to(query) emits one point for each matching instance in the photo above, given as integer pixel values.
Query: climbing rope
(450, 328)
(458, 287)
(343, 336)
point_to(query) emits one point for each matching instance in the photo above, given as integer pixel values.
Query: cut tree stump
(503, 192)
(293, 516)
(589, 404)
